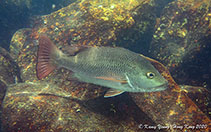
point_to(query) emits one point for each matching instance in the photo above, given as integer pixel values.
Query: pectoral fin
(112, 93)
(112, 79)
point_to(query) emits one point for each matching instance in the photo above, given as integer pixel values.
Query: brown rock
(172, 107)
(45, 107)
(57, 103)
(9, 72)
(182, 41)
(200, 96)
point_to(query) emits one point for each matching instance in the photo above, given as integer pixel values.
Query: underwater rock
(12, 18)
(172, 107)
(200, 96)
(19, 41)
(9, 72)
(3, 88)
(182, 41)
(16, 14)
(58, 103)
(30, 106)
(44, 107)
(137, 37)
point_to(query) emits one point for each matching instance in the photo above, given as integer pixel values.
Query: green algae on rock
(45, 107)
(181, 41)
(74, 106)
(9, 73)
(9, 70)
(200, 96)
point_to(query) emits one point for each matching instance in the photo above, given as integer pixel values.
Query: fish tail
(46, 56)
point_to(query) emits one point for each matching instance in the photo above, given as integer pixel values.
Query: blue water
(15, 15)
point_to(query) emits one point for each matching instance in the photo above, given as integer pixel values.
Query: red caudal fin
(46, 54)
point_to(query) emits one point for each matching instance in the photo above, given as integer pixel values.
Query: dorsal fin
(75, 49)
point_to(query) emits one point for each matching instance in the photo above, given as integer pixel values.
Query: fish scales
(104, 61)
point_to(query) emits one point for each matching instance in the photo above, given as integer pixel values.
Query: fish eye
(150, 75)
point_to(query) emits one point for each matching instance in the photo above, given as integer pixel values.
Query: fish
(116, 68)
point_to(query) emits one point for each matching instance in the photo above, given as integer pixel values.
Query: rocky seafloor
(179, 39)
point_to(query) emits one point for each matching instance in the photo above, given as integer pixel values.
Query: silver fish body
(119, 63)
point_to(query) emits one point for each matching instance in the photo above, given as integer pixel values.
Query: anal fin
(112, 93)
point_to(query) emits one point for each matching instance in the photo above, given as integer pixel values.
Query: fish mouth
(161, 87)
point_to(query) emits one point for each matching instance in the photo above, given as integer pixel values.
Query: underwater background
(176, 33)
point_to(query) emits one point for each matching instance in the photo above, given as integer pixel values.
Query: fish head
(148, 80)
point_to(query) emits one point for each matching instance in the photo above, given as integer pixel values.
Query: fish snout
(161, 87)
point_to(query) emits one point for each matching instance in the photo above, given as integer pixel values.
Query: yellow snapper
(113, 67)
